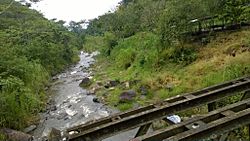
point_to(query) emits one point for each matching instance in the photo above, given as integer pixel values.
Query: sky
(75, 10)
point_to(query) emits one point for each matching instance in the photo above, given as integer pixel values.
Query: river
(70, 105)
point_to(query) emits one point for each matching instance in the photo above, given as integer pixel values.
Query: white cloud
(75, 10)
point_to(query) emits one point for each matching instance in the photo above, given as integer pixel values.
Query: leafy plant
(31, 50)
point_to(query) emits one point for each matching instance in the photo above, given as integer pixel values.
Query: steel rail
(212, 124)
(118, 123)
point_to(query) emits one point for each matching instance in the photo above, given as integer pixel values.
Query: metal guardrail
(215, 23)
(144, 116)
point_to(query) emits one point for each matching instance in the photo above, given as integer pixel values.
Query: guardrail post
(223, 23)
(200, 27)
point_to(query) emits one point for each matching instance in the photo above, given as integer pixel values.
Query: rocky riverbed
(70, 105)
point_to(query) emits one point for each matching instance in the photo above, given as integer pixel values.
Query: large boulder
(127, 96)
(13, 135)
(86, 82)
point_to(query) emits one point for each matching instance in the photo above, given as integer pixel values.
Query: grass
(125, 106)
(226, 57)
(93, 43)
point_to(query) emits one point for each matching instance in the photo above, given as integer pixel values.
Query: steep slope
(31, 49)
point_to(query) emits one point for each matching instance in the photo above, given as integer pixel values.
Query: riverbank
(224, 57)
(32, 49)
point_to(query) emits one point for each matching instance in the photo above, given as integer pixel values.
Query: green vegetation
(2, 137)
(147, 43)
(151, 41)
(31, 50)
(211, 64)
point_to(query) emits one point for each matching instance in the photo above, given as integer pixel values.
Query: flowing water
(71, 105)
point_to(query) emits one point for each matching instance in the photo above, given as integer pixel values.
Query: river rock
(127, 96)
(96, 100)
(13, 135)
(29, 129)
(55, 78)
(53, 108)
(71, 112)
(62, 116)
(86, 82)
(95, 88)
(90, 92)
(69, 106)
(112, 83)
(67, 118)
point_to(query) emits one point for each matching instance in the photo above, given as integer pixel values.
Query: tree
(77, 28)
(126, 2)
(31, 50)
(237, 11)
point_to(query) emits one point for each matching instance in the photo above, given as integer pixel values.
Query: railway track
(207, 126)
(144, 116)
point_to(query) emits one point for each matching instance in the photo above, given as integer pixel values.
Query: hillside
(152, 50)
(32, 49)
(150, 45)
